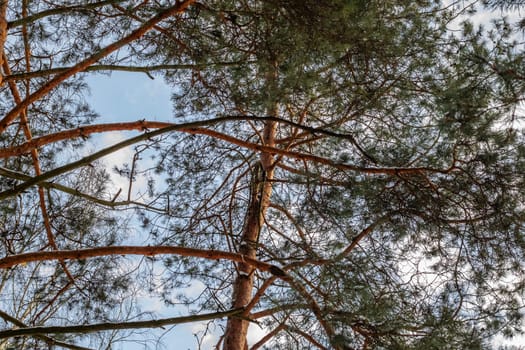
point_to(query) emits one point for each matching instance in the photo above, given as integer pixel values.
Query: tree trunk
(3, 34)
(261, 190)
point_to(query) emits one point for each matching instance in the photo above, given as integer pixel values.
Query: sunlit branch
(82, 131)
(80, 254)
(269, 336)
(195, 130)
(3, 33)
(260, 292)
(53, 299)
(144, 125)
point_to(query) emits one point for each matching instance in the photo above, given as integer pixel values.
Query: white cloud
(255, 333)
(206, 334)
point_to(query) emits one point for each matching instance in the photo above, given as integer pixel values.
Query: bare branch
(12, 260)
(117, 325)
(58, 11)
(109, 67)
(47, 339)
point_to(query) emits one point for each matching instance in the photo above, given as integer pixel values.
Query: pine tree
(344, 174)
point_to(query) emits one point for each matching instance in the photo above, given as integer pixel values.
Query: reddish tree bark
(13, 260)
(3, 34)
(261, 190)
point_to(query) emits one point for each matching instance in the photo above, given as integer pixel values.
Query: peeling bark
(261, 190)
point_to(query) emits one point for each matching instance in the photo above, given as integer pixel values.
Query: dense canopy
(339, 174)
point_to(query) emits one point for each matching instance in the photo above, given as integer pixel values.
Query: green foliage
(396, 204)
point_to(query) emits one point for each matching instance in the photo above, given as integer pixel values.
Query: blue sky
(130, 96)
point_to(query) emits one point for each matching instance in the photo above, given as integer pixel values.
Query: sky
(128, 97)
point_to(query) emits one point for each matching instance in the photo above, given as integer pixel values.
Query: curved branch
(361, 235)
(317, 159)
(12, 260)
(309, 338)
(109, 67)
(34, 152)
(196, 130)
(117, 325)
(143, 125)
(83, 131)
(3, 33)
(269, 336)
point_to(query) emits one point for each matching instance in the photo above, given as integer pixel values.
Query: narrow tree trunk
(3, 34)
(261, 190)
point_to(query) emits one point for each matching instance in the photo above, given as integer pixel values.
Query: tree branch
(74, 192)
(109, 67)
(269, 336)
(3, 34)
(142, 125)
(117, 325)
(58, 11)
(47, 339)
(193, 129)
(308, 337)
(13, 260)
(362, 235)
(274, 310)
(27, 133)
(82, 131)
